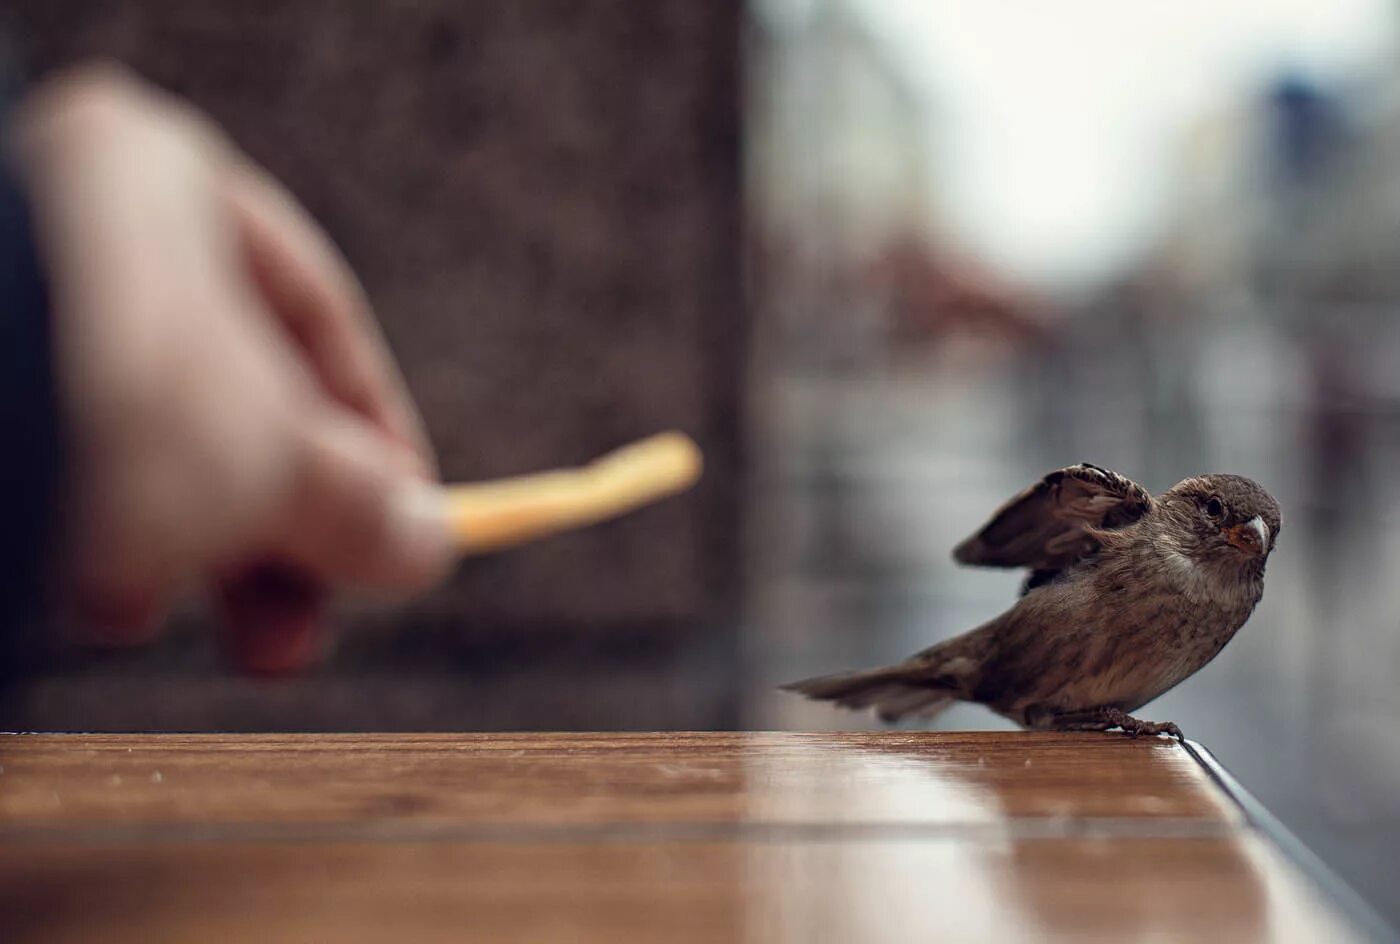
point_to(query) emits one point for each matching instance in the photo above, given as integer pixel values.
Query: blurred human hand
(233, 416)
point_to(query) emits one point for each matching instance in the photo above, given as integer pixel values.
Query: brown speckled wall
(543, 201)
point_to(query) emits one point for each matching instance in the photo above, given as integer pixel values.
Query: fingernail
(419, 532)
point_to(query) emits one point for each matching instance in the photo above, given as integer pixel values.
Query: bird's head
(1223, 518)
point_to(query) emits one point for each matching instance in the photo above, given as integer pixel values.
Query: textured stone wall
(543, 201)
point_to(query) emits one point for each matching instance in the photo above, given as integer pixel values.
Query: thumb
(357, 515)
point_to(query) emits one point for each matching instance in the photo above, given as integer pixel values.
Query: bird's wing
(1045, 528)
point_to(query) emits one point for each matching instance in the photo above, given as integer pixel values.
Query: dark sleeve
(29, 440)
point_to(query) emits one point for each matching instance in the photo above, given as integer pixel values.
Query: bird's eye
(1215, 508)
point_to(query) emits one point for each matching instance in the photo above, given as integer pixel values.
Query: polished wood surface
(761, 837)
(548, 779)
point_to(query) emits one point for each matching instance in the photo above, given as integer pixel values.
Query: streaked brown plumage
(1127, 596)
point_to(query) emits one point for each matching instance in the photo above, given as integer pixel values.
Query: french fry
(490, 516)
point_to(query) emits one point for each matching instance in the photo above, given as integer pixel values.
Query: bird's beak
(1252, 536)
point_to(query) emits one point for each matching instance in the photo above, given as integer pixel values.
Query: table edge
(1348, 901)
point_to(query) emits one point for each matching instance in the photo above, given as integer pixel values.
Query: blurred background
(889, 261)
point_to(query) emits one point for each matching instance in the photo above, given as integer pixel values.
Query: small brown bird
(1127, 596)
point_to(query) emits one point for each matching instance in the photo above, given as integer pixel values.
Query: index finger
(308, 284)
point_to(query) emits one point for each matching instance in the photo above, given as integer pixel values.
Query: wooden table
(684, 837)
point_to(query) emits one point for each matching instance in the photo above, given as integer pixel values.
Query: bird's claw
(1135, 727)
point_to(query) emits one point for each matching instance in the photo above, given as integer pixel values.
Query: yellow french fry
(489, 516)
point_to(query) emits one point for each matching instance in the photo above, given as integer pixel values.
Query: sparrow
(1127, 596)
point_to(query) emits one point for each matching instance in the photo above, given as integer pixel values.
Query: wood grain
(948, 779)
(899, 890)
(677, 837)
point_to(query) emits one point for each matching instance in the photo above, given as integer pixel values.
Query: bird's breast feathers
(1157, 561)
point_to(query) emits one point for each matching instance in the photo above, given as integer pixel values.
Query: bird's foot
(1136, 727)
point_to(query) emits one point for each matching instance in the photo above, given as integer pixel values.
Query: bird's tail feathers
(895, 692)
